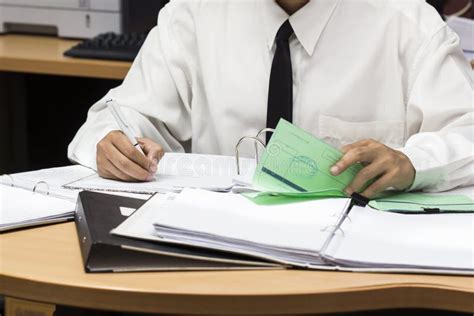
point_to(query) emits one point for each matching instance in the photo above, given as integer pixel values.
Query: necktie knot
(285, 31)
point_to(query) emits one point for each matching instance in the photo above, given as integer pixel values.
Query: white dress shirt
(388, 70)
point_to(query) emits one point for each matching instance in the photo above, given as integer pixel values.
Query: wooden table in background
(44, 265)
(44, 55)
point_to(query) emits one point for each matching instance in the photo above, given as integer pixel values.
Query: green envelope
(295, 163)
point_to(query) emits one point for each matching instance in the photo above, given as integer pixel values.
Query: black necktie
(280, 93)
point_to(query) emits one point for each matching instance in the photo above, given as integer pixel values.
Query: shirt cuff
(426, 173)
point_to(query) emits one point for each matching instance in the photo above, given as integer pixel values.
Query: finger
(366, 174)
(125, 165)
(358, 154)
(360, 143)
(117, 174)
(153, 150)
(378, 186)
(123, 144)
(108, 171)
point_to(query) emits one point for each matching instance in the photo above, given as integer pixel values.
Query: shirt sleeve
(440, 116)
(155, 95)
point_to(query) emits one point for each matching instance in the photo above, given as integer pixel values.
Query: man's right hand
(117, 158)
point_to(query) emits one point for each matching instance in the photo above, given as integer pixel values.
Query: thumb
(152, 150)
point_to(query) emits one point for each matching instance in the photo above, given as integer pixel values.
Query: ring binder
(237, 155)
(334, 228)
(356, 200)
(11, 179)
(38, 184)
(257, 139)
(265, 130)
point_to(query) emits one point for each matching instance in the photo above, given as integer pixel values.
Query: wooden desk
(44, 264)
(44, 55)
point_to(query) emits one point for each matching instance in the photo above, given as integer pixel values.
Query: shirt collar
(308, 23)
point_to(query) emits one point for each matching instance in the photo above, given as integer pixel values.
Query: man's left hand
(386, 166)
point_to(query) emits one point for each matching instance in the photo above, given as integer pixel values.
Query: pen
(115, 110)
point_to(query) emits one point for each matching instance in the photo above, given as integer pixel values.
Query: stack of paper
(290, 234)
(177, 171)
(374, 239)
(300, 234)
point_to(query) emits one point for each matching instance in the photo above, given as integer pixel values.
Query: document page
(20, 207)
(296, 161)
(49, 180)
(177, 171)
(287, 233)
(373, 238)
(465, 29)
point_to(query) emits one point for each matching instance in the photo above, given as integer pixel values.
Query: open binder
(37, 198)
(329, 234)
(98, 213)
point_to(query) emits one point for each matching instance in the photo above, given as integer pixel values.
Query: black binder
(98, 213)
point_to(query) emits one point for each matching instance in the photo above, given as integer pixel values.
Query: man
(384, 79)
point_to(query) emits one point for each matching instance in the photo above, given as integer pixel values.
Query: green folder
(423, 203)
(297, 163)
(295, 167)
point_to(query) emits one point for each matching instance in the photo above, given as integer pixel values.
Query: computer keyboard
(109, 46)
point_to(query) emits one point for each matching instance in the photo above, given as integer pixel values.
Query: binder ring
(12, 180)
(333, 228)
(264, 131)
(260, 132)
(38, 184)
(237, 155)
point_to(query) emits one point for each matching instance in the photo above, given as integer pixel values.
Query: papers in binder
(465, 29)
(36, 197)
(21, 208)
(230, 222)
(300, 234)
(177, 171)
(48, 181)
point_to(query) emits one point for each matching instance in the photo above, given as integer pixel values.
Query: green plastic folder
(295, 163)
(424, 203)
(295, 167)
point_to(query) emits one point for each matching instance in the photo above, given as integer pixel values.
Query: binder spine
(83, 233)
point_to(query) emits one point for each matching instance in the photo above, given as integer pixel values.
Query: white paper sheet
(225, 221)
(177, 171)
(381, 239)
(465, 29)
(20, 207)
(49, 180)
